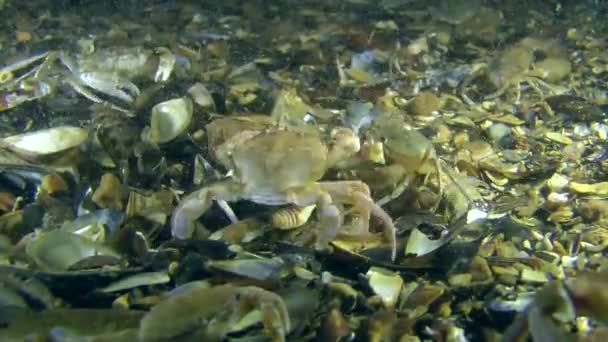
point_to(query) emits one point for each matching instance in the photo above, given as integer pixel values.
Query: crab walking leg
(111, 85)
(211, 313)
(389, 227)
(196, 204)
(357, 193)
(227, 210)
(343, 191)
(330, 218)
(274, 313)
(399, 189)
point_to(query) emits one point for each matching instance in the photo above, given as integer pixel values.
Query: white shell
(166, 63)
(46, 141)
(169, 119)
(558, 198)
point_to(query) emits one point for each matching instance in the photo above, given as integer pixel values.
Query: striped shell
(291, 217)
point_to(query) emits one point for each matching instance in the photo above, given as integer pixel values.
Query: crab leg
(197, 203)
(330, 218)
(357, 193)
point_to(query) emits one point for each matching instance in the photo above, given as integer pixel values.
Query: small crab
(408, 154)
(110, 72)
(517, 65)
(576, 299)
(210, 313)
(106, 72)
(283, 166)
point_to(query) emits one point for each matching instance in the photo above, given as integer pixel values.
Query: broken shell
(557, 182)
(497, 179)
(154, 207)
(242, 231)
(58, 250)
(166, 62)
(201, 96)
(170, 119)
(45, 142)
(139, 279)
(419, 244)
(424, 295)
(108, 194)
(561, 215)
(460, 279)
(385, 284)
(291, 217)
(53, 183)
(600, 189)
(558, 138)
(556, 200)
(480, 270)
(533, 276)
(258, 269)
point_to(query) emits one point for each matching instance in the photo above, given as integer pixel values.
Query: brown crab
(283, 166)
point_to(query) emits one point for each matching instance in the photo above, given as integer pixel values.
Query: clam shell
(169, 119)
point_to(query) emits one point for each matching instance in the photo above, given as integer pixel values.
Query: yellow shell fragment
(557, 182)
(385, 284)
(508, 119)
(108, 194)
(600, 189)
(558, 138)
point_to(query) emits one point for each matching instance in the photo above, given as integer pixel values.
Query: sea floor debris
(342, 170)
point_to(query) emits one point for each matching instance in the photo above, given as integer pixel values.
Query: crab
(284, 166)
(107, 72)
(559, 302)
(211, 313)
(516, 65)
(408, 154)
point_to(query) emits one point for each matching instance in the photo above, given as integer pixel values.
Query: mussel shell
(59, 250)
(169, 119)
(45, 142)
